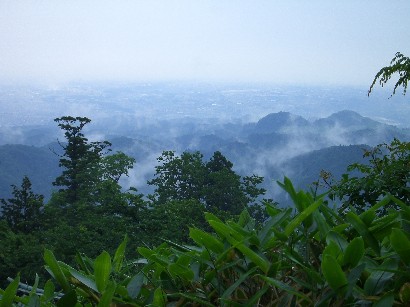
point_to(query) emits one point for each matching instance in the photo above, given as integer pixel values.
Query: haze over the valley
(200, 75)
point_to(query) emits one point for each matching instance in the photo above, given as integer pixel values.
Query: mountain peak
(274, 122)
(347, 118)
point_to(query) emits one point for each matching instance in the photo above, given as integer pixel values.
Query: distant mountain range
(276, 145)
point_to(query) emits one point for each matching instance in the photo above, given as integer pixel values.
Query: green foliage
(23, 211)
(19, 252)
(79, 160)
(388, 171)
(214, 183)
(400, 65)
(302, 257)
(178, 177)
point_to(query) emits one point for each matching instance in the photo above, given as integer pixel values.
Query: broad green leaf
(84, 279)
(226, 231)
(239, 229)
(354, 252)
(229, 233)
(34, 288)
(145, 252)
(335, 237)
(184, 260)
(160, 298)
(271, 210)
(244, 218)
(205, 239)
(119, 255)
(55, 268)
(49, 289)
(333, 249)
(135, 284)
(321, 223)
(85, 263)
(102, 270)
(261, 262)
(340, 228)
(362, 229)
(181, 271)
(288, 187)
(305, 201)
(368, 217)
(297, 221)
(333, 273)
(10, 292)
(107, 296)
(273, 222)
(353, 277)
(401, 244)
(375, 283)
(382, 227)
(211, 217)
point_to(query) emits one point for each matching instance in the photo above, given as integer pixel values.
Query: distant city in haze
(22, 106)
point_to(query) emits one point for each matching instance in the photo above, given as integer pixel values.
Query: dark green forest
(207, 236)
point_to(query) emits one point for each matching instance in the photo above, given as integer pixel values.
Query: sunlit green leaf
(56, 270)
(9, 293)
(204, 239)
(297, 221)
(160, 298)
(119, 255)
(107, 296)
(102, 270)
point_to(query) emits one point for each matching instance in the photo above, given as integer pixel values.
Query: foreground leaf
(102, 270)
(10, 292)
(333, 273)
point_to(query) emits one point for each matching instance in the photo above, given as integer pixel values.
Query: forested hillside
(275, 145)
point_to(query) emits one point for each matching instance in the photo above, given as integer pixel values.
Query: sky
(303, 42)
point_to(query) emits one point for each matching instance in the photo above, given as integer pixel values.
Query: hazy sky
(308, 42)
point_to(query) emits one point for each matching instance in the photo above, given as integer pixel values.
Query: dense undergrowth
(309, 255)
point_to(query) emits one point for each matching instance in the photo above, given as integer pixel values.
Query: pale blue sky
(304, 42)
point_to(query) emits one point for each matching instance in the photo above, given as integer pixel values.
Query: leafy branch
(399, 64)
